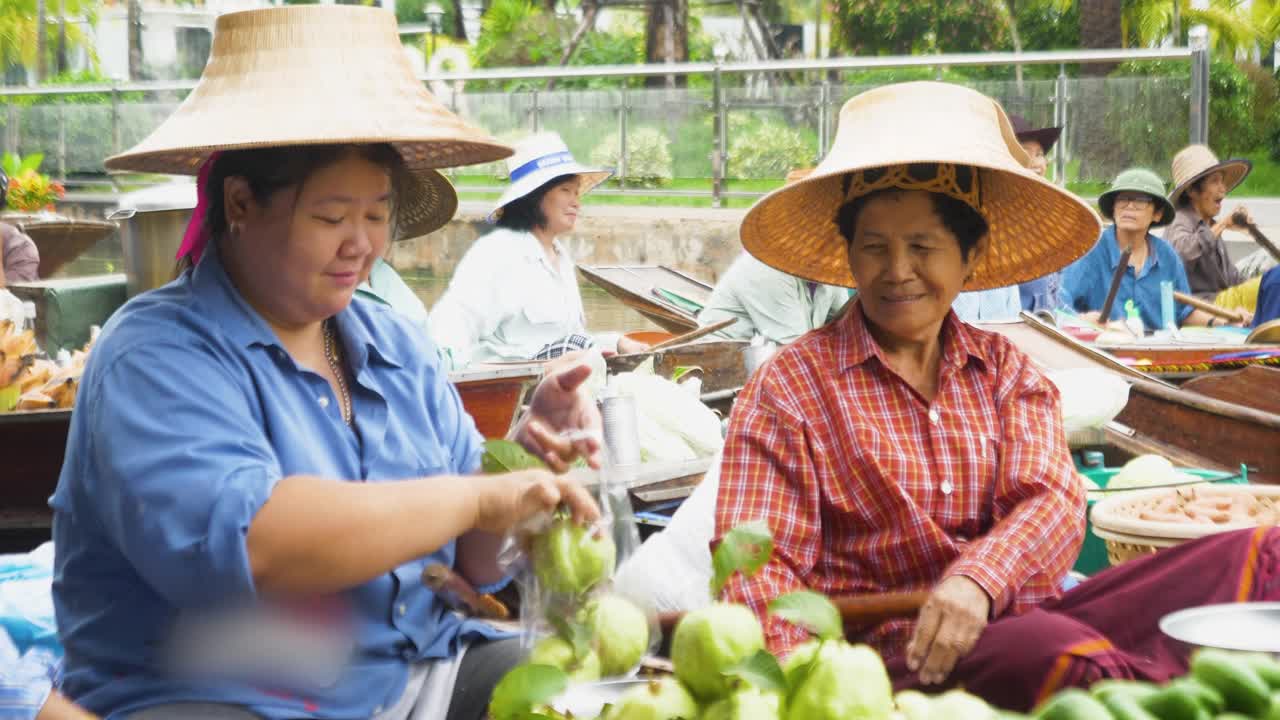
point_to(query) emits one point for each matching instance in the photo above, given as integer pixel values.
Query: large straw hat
(539, 159)
(1035, 226)
(309, 75)
(1138, 180)
(1196, 161)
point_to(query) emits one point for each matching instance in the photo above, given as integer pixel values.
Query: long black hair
(525, 214)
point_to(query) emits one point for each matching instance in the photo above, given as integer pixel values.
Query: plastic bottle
(1133, 319)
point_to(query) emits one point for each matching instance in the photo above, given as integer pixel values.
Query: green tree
(21, 44)
(905, 27)
(1234, 25)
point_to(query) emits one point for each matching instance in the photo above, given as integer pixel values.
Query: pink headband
(196, 236)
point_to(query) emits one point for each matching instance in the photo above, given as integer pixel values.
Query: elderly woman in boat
(260, 468)
(899, 449)
(1135, 203)
(514, 295)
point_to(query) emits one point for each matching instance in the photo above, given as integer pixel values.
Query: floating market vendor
(898, 449)
(1135, 203)
(259, 467)
(1201, 184)
(1042, 293)
(514, 295)
(19, 256)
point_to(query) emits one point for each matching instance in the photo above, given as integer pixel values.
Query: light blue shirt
(189, 412)
(995, 305)
(1087, 280)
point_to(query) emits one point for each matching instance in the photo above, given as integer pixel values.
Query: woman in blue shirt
(1135, 203)
(260, 468)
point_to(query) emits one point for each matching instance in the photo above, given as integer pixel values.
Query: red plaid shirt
(868, 488)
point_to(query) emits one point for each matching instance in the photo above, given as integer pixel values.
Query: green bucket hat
(1138, 180)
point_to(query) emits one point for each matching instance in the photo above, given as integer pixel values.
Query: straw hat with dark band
(318, 75)
(1035, 226)
(1023, 130)
(1196, 161)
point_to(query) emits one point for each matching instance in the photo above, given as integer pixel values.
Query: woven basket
(60, 239)
(1127, 537)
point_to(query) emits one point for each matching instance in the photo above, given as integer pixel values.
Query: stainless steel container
(152, 222)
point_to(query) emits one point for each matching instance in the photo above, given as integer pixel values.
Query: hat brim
(1107, 202)
(1047, 137)
(428, 202)
(1234, 171)
(1034, 227)
(591, 178)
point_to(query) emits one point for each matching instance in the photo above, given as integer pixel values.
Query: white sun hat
(539, 159)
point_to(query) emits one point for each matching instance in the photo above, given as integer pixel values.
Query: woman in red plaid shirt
(898, 449)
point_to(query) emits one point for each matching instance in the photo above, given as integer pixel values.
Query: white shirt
(506, 301)
(769, 302)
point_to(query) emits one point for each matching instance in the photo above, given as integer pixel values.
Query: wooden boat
(1189, 427)
(668, 297)
(720, 361)
(1179, 362)
(32, 444)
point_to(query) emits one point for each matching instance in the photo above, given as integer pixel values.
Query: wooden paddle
(694, 335)
(1116, 277)
(1234, 316)
(854, 609)
(1240, 219)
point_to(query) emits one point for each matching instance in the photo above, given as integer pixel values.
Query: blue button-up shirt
(188, 414)
(1043, 293)
(1087, 280)
(1268, 298)
(994, 305)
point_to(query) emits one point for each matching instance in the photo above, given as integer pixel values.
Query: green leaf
(761, 670)
(523, 689)
(31, 162)
(811, 611)
(744, 549)
(11, 164)
(502, 456)
(681, 371)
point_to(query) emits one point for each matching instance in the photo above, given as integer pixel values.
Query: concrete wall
(701, 242)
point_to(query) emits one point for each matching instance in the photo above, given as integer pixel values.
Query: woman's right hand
(507, 499)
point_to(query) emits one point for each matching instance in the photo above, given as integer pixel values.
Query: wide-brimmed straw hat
(1138, 180)
(1196, 161)
(1035, 227)
(318, 75)
(538, 160)
(1024, 130)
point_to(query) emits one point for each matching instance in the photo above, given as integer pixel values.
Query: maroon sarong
(1108, 627)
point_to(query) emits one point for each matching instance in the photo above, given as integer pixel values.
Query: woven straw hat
(539, 159)
(1196, 161)
(1138, 180)
(1035, 226)
(312, 75)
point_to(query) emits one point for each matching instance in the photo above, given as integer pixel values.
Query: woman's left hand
(949, 625)
(559, 406)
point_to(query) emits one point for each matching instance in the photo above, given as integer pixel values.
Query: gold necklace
(331, 354)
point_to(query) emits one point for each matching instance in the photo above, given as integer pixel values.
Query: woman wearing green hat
(1135, 203)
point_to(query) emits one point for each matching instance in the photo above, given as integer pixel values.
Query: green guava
(961, 705)
(709, 641)
(568, 559)
(664, 699)
(845, 682)
(621, 633)
(749, 703)
(798, 659)
(558, 653)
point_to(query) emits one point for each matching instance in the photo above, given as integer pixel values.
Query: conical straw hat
(314, 75)
(1196, 161)
(1035, 227)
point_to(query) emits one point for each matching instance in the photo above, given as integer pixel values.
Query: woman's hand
(949, 625)
(560, 406)
(507, 499)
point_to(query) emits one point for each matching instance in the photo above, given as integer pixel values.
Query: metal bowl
(588, 699)
(1230, 626)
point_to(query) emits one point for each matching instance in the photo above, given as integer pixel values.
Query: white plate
(1231, 626)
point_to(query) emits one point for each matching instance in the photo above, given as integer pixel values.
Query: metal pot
(152, 222)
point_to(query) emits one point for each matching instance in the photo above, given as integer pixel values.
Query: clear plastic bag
(571, 615)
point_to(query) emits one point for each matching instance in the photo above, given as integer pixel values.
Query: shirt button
(324, 401)
(946, 487)
(402, 609)
(377, 710)
(933, 416)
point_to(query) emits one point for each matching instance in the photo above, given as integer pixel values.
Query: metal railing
(822, 102)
